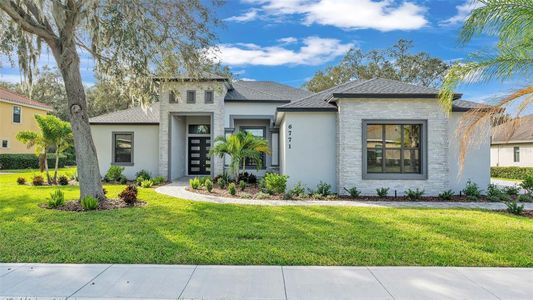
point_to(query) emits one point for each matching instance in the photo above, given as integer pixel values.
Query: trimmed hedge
(519, 173)
(27, 161)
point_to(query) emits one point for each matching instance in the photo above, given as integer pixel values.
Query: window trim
(113, 149)
(13, 114)
(212, 97)
(193, 101)
(423, 175)
(516, 154)
(264, 128)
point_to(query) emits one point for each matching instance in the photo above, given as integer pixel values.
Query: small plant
(243, 177)
(221, 182)
(129, 194)
(414, 194)
(472, 191)
(514, 208)
(527, 185)
(275, 183)
(525, 198)
(145, 175)
(203, 179)
(208, 185)
(298, 190)
(89, 203)
(57, 199)
(511, 190)
(353, 191)
(323, 188)
(21, 181)
(288, 196)
(62, 180)
(262, 196)
(494, 194)
(382, 192)
(123, 179)
(37, 180)
(232, 189)
(114, 173)
(317, 196)
(147, 183)
(194, 183)
(242, 185)
(446, 195)
(158, 180)
(246, 195)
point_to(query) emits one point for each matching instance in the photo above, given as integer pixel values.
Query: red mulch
(107, 204)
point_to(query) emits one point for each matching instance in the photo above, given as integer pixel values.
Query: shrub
(194, 183)
(514, 208)
(298, 190)
(519, 173)
(147, 183)
(262, 196)
(123, 179)
(158, 180)
(145, 175)
(129, 194)
(353, 191)
(471, 190)
(243, 177)
(208, 185)
(242, 185)
(511, 190)
(104, 191)
(288, 196)
(114, 173)
(317, 196)
(231, 189)
(63, 180)
(37, 180)
(323, 188)
(525, 198)
(221, 182)
(21, 181)
(26, 161)
(89, 203)
(246, 195)
(57, 198)
(139, 180)
(252, 179)
(527, 184)
(414, 194)
(446, 195)
(382, 192)
(275, 183)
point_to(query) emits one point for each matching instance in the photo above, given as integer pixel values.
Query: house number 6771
(289, 136)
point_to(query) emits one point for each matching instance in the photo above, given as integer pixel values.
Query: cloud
(288, 40)
(384, 15)
(246, 17)
(247, 79)
(463, 12)
(313, 51)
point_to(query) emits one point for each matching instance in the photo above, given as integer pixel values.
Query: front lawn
(175, 231)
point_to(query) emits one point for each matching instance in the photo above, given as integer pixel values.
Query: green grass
(176, 231)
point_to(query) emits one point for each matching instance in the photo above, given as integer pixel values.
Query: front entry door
(199, 162)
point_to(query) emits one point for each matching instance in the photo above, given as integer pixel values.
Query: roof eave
(256, 101)
(122, 123)
(391, 95)
(307, 109)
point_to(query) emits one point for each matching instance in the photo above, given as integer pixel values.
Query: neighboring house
(17, 113)
(515, 150)
(369, 134)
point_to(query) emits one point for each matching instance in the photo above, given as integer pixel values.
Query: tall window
(209, 97)
(191, 96)
(516, 154)
(123, 148)
(394, 150)
(259, 132)
(172, 97)
(4, 143)
(16, 114)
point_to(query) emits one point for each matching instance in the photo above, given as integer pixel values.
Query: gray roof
(132, 115)
(263, 91)
(464, 105)
(518, 130)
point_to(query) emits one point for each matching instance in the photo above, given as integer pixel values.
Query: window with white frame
(17, 111)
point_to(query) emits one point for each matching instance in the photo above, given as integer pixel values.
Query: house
(515, 150)
(16, 114)
(368, 133)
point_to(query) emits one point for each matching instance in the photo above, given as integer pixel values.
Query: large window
(16, 114)
(123, 148)
(259, 132)
(394, 150)
(516, 154)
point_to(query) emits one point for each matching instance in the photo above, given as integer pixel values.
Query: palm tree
(511, 22)
(240, 147)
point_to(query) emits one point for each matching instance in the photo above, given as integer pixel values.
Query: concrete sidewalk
(30, 281)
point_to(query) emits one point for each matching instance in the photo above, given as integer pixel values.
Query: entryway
(199, 161)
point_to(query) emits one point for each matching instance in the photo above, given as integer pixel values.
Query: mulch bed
(107, 204)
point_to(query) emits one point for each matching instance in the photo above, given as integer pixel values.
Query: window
(16, 114)
(172, 97)
(191, 96)
(394, 150)
(259, 132)
(4, 143)
(200, 129)
(209, 97)
(516, 154)
(123, 148)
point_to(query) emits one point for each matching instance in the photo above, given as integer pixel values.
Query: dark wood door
(199, 161)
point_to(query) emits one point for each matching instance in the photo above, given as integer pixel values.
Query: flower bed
(106, 204)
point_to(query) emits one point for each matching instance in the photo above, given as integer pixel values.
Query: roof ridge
(262, 92)
(323, 92)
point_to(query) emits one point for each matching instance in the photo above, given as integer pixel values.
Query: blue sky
(289, 40)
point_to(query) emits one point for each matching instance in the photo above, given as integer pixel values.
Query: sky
(289, 40)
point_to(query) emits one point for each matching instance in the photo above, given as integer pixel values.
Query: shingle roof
(13, 97)
(523, 132)
(464, 105)
(263, 91)
(132, 115)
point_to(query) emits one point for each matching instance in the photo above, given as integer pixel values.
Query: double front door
(199, 161)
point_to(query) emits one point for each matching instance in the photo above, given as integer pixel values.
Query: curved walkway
(177, 189)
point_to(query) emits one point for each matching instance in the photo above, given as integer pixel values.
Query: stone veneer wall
(349, 142)
(217, 108)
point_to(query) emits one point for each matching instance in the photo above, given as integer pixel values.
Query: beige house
(515, 150)
(17, 113)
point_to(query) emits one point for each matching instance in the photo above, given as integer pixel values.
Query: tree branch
(25, 21)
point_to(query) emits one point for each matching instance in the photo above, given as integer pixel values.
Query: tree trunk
(46, 168)
(57, 165)
(68, 60)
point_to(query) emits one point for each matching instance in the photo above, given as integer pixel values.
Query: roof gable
(263, 91)
(132, 115)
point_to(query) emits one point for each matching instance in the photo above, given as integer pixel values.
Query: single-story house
(515, 150)
(365, 133)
